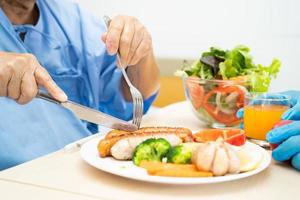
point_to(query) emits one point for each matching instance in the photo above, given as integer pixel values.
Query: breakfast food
(175, 152)
(121, 144)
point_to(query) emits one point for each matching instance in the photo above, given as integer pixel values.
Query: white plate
(127, 169)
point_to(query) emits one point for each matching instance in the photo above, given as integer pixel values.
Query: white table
(64, 173)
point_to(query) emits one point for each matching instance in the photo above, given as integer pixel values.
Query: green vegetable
(220, 64)
(179, 155)
(151, 150)
(260, 79)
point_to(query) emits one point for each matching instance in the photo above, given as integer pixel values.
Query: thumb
(103, 37)
(44, 79)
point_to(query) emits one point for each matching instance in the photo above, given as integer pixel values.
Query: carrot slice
(181, 173)
(173, 170)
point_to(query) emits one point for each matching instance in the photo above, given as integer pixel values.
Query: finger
(287, 149)
(296, 161)
(29, 88)
(240, 113)
(143, 49)
(114, 34)
(14, 86)
(136, 41)
(292, 113)
(4, 80)
(286, 114)
(103, 37)
(282, 133)
(44, 79)
(125, 41)
(292, 94)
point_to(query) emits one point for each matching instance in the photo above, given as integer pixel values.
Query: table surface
(65, 175)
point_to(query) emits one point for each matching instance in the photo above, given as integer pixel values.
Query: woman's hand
(128, 36)
(21, 75)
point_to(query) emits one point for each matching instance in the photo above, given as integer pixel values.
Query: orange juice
(260, 119)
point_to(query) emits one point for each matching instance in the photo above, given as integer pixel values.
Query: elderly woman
(56, 45)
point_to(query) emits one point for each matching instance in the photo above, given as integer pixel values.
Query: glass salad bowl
(215, 102)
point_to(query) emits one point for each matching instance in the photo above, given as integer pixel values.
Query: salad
(217, 83)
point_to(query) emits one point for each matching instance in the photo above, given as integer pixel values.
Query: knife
(90, 115)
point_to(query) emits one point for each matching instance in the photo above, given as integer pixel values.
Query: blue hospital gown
(66, 41)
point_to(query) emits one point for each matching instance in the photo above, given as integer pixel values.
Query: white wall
(184, 28)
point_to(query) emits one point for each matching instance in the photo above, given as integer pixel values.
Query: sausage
(105, 145)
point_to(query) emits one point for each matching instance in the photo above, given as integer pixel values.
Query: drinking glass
(262, 112)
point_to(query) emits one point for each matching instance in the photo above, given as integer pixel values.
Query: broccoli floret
(179, 155)
(151, 150)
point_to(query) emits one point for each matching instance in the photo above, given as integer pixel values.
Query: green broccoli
(151, 150)
(179, 155)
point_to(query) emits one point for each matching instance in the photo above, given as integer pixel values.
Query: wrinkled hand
(21, 75)
(128, 36)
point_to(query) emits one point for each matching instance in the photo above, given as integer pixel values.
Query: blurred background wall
(182, 29)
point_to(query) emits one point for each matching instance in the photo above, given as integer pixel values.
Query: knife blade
(91, 115)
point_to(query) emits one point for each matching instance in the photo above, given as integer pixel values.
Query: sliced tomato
(235, 137)
(211, 103)
(196, 92)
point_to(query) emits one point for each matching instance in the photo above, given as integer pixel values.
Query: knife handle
(46, 96)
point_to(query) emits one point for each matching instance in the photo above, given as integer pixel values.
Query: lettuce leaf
(260, 78)
(196, 69)
(237, 61)
(231, 64)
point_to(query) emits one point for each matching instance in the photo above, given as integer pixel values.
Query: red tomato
(196, 93)
(232, 136)
(224, 90)
(279, 124)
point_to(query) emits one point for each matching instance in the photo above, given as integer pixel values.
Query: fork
(137, 98)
